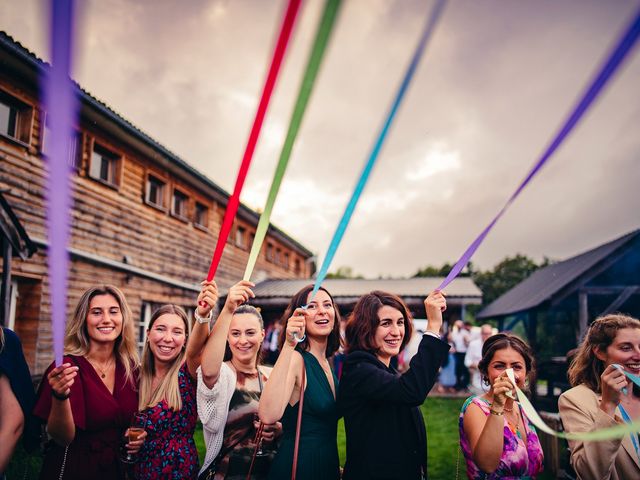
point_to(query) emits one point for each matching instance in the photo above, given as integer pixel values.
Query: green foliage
(443, 271)
(505, 275)
(344, 272)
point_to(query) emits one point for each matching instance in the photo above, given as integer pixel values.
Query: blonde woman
(87, 401)
(170, 359)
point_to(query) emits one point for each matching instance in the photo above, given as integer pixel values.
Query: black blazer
(386, 436)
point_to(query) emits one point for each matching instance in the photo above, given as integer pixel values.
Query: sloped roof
(341, 288)
(544, 283)
(12, 229)
(41, 67)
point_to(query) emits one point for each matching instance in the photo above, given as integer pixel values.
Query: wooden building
(142, 219)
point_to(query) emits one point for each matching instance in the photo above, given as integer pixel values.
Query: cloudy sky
(496, 81)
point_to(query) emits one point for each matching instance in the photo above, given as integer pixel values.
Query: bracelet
(200, 319)
(55, 394)
(497, 414)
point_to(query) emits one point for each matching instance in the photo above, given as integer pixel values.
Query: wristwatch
(200, 319)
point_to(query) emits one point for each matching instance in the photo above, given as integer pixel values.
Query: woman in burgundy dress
(168, 389)
(87, 402)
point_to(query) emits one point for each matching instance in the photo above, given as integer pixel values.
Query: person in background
(170, 360)
(271, 342)
(230, 382)
(16, 399)
(473, 357)
(602, 397)
(385, 431)
(317, 318)
(338, 358)
(88, 401)
(496, 437)
(461, 336)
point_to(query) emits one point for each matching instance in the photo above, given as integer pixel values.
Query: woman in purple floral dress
(168, 390)
(496, 437)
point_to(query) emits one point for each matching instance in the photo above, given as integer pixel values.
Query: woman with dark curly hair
(496, 437)
(386, 436)
(603, 397)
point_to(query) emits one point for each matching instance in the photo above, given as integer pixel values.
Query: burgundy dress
(100, 418)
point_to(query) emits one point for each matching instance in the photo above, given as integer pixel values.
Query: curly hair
(586, 367)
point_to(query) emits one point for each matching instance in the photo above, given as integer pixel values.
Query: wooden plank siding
(112, 225)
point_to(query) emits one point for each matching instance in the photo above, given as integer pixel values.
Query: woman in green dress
(319, 320)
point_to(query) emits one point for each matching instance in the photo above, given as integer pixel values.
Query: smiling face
(167, 336)
(104, 320)
(624, 350)
(507, 358)
(245, 337)
(321, 315)
(389, 333)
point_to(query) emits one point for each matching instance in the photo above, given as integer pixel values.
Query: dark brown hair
(299, 300)
(360, 332)
(501, 341)
(586, 367)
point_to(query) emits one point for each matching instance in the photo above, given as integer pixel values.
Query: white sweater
(213, 408)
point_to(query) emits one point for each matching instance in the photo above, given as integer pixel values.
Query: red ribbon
(234, 200)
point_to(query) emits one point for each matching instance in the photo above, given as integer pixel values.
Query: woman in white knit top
(230, 382)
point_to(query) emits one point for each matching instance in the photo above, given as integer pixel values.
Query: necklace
(106, 367)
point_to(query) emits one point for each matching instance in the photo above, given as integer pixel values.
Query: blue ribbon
(364, 176)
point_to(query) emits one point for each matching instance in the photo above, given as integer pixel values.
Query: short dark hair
(501, 341)
(361, 327)
(300, 299)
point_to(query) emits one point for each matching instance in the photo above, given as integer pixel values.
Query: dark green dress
(318, 452)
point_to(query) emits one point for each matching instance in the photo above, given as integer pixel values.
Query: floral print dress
(518, 461)
(169, 451)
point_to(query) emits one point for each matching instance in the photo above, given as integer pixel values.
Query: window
(155, 191)
(15, 118)
(179, 204)
(74, 151)
(270, 252)
(201, 215)
(104, 165)
(278, 259)
(296, 267)
(241, 237)
(285, 262)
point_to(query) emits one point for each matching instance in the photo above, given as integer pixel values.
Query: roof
(12, 229)
(41, 67)
(544, 283)
(462, 287)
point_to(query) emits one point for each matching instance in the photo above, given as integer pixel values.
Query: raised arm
(60, 423)
(207, 300)
(213, 353)
(284, 382)
(486, 433)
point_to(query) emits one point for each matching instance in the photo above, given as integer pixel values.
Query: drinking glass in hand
(258, 438)
(134, 432)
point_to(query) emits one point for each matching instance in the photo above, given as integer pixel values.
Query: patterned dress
(518, 461)
(169, 451)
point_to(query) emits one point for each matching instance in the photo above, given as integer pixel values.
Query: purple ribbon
(608, 69)
(61, 107)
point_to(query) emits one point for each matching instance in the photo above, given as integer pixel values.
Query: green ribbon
(313, 66)
(609, 433)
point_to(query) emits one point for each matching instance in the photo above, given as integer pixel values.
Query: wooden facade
(142, 218)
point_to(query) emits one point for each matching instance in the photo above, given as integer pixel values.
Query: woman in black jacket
(386, 436)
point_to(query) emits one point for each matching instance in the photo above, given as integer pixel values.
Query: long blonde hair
(169, 388)
(77, 342)
(586, 367)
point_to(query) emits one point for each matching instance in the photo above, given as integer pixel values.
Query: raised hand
(62, 378)
(238, 294)
(501, 387)
(296, 325)
(207, 298)
(612, 382)
(435, 304)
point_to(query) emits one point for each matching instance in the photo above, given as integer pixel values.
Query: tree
(344, 272)
(505, 275)
(443, 271)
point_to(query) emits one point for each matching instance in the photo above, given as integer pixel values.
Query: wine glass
(258, 437)
(136, 429)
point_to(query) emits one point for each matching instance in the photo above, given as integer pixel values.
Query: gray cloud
(496, 82)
